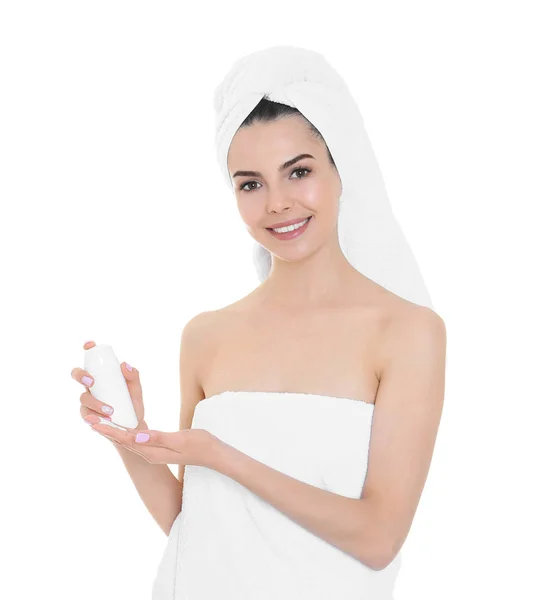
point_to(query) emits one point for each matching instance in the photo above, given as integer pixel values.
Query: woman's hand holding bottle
(93, 411)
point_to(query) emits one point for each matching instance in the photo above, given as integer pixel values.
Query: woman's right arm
(156, 485)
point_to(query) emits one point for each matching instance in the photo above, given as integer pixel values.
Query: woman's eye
(301, 169)
(245, 184)
(242, 188)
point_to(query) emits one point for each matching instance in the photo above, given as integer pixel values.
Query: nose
(278, 202)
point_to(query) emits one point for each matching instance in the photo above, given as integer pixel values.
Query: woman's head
(273, 134)
(263, 140)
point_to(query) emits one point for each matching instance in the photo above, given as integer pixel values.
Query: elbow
(385, 541)
(380, 543)
(376, 553)
(386, 554)
(379, 563)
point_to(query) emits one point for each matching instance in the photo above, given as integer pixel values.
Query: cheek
(249, 211)
(315, 196)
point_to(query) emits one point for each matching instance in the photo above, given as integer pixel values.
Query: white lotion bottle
(110, 386)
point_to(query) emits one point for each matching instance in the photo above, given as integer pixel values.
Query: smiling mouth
(271, 229)
(292, 234)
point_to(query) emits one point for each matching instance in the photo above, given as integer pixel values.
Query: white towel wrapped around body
(230, 544)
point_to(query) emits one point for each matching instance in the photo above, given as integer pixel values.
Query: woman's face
(310, 187)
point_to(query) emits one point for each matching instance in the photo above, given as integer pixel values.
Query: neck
(321, 279)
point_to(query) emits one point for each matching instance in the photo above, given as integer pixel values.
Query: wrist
(224, 456)
(128, 456)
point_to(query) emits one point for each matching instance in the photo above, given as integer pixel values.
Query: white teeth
(291, 227)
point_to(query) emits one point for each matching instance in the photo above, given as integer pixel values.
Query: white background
(116, 226)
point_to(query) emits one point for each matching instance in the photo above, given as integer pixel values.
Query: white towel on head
(369, 234)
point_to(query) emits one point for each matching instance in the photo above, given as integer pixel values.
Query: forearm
(156, 485)
(349, 524)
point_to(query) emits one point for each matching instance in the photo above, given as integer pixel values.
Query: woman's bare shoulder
(405, 324)
(198, 329)
(208, 322)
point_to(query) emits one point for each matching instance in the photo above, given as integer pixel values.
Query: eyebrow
(287, 164)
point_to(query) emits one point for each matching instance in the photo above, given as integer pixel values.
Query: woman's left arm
(406, 418)
(339, 520)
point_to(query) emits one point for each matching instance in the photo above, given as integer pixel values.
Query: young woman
(310, 407)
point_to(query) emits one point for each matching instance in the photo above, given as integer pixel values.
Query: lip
(286, 223)
(290, 235)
